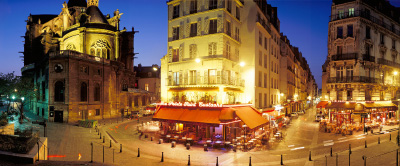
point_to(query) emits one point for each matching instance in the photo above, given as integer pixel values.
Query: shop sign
(188, 104)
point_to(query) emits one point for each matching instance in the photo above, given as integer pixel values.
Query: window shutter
(199, 27)
(181, 31)
(198, 78)
(218, 77)
(206, 24)
(180, 53)
(186, 78)
(180, 78)
(206, 77)
(170, 10)
(210, 49)
(187, 30)
(220, 23)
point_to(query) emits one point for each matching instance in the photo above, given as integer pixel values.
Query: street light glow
(22, 98)
(197, 60)
(13, 97)
(242, 64)
(395, 73)
(155, 69)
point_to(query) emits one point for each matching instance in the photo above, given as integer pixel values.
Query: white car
(294, 115)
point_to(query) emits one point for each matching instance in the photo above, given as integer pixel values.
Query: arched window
(97, 92)
(84, 92)
(102, 48)
(59, 91)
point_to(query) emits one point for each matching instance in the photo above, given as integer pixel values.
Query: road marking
(329, 144)
(342, 138)
(297, 148)
(342, 141)
(290, 146)
(328, 141)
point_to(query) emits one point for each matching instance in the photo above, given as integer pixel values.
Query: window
(394, 44)
(146, 87)
(43, 90)
(175, 33)
(351, 12)
(339, 32)
(213, 27)
(228, 51)
(193, 50)
(237, 33)
(212, 76)
(98, 72)
(229, 6)
(97, 112)
(193, 6)
(176, 78)
(59, 91)
(339, 50)
(212, 49)
(260, 62)
(237, 12)
(175, 55)
(265, 61)
(349, 30)
(341, 14)
(265, 99)
(272, 83)
(260, 100)
(84, 69)
(176, 12)
(228, 28)
(97, 92)
(83, 91)
(259, 79)
(260, 38)
(339, 73)
(382, 39)
(192, 77)
(272, 66)
(193, 29)
(349, 72)
(265, 43)
(368, 32)
(265, 80)
(212, 4)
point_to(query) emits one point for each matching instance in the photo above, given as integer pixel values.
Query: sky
(304, 22)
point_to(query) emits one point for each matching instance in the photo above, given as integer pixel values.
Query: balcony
(353, 79)
(368, 58)
(263, 23)
(366, 15)
(388, 63)
(215, 80)
(348, 56)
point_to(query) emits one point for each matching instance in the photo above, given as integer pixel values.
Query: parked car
(294, 115)
(318, 117)
(301, 112)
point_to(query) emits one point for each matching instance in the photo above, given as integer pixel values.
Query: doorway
(58, 116)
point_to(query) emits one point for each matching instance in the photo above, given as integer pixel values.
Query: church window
(101, 48)
(71, 47)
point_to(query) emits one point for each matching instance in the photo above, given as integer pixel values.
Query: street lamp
(22, 98)
(242, 64)
(197, 60)
(155, 68)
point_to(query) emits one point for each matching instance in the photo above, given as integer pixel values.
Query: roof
(77, 3)
(340, 105)
(43, 17)
(322, 104)
(96, 16)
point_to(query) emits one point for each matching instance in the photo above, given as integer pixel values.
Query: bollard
(365, 160)
(38, 149)
(397, 157)
(281, 159)
(349, 158)
(326, 161)
(390, 137)
(331, 151)
(365, 143)
(337, 157)
(349, 149)
(309, 157)
(110, 143)
(162, 156)
(100, 135)
(104, 139)
(217, 161)
(113, 155)
(250, 161)
(103, 153)
(189, 160)
(379, 140)
(138, 152)
(120, 148)
(91, 144)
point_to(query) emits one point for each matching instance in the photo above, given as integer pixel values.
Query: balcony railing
(368, 58)
(388, 63)
(213, 80)
(366, 15)
(348, 56)
(263, 23)
(354, 79)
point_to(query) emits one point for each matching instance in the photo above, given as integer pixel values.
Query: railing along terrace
(368, 58)
(348, 56)
(214, 80)
(71, 53)
(353, 79)
(366, 15)
(387, 62)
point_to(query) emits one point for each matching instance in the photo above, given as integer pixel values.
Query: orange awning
(188, 115)
(322, 104)
(379, 105)
(340, 105)
(250, 117)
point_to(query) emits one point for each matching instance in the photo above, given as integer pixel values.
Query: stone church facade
(81, 64)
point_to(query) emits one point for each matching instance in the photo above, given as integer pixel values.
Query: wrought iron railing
(210, 80)
(354, 79)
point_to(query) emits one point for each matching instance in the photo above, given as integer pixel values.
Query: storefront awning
(379, 105)
(188, 115)
(266, 110)
(340, 105)
(250, 117)
(322, 104)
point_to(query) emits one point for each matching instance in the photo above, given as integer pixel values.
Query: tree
(7, 83)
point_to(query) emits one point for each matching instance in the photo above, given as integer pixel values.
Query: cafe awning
(322, 104)
(340, 105)
(379, 105)
(188, 115)
(250, 117)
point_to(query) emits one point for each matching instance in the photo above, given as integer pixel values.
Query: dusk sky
(305, 22)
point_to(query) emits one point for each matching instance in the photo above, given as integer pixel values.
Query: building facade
(363, 43)
(148, 79)
(222, 51)
(81, 64)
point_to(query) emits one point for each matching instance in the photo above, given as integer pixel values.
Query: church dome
(77, 3)
(95, 15)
